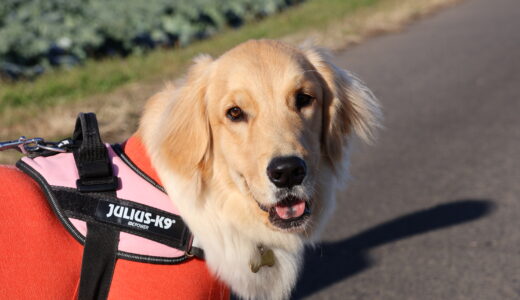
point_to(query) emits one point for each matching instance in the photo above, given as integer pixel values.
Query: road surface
(433, 208)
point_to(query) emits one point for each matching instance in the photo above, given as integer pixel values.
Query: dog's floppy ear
(348, 105)
(182, 131)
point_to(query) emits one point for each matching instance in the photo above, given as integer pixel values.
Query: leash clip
(33, 145)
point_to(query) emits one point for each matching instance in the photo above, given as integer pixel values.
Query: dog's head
(266, 126)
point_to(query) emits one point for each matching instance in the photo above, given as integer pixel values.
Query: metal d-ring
(51, 148)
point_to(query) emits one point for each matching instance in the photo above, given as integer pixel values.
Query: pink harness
(110, 206)
(60, 171)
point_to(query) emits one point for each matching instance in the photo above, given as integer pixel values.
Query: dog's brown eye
(303, 100)
(235, 114)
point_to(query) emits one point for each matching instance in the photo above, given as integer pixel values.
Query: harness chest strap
(112, 207)
(95, 175)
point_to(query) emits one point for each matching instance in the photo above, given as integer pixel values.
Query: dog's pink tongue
(294, 210)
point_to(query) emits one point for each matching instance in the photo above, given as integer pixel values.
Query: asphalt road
(433, 208)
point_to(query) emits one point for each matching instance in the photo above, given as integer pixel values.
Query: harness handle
(94, 167)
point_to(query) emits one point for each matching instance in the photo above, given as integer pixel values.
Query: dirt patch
(385, 17)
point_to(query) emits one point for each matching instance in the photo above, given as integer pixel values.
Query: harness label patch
(140, 219)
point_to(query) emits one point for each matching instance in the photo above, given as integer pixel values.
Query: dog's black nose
(286, 172)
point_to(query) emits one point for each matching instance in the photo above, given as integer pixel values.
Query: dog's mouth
(290, 213)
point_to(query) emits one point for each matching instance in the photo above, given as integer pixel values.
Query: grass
(117, 89)
(93, 77)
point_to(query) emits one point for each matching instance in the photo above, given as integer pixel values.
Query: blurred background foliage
(38, 35)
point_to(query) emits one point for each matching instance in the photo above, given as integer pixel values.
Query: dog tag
(266, 259)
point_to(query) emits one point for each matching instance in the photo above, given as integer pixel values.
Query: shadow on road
(329, 263)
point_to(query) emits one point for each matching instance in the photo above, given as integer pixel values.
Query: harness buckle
(105, 184)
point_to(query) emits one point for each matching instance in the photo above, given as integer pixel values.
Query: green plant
(38, 34)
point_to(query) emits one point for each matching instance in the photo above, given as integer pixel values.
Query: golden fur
(214, 169)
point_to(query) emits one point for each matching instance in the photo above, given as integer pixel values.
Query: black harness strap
(99, 259)
(101, 243)
(124, 215)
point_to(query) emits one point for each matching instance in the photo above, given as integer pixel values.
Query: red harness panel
(39, 259)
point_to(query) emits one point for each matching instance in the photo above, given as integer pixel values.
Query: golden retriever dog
(251, 149)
